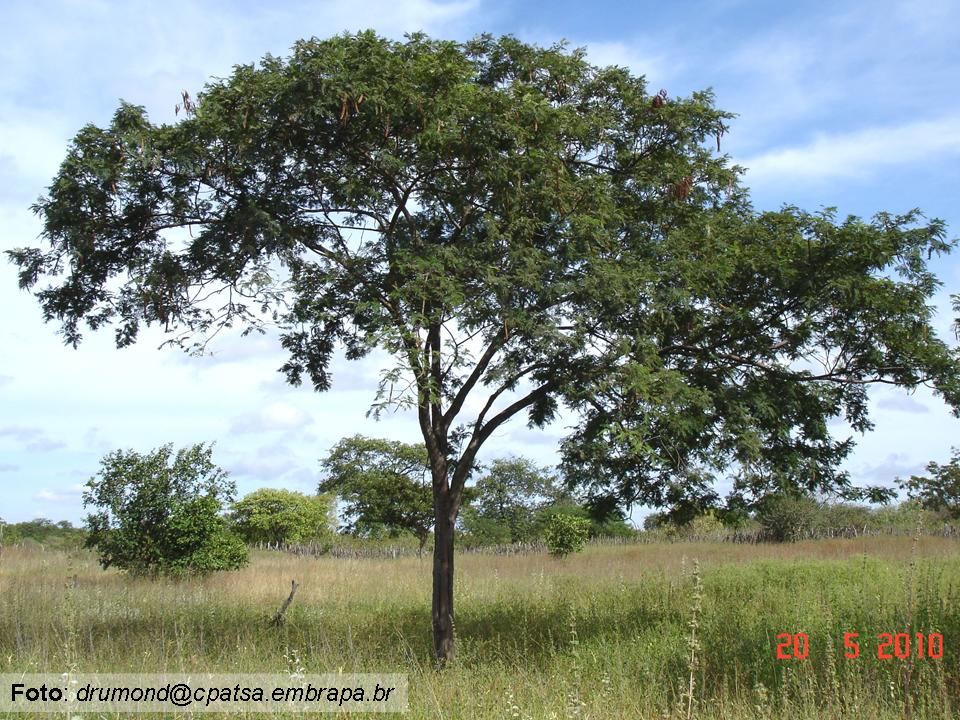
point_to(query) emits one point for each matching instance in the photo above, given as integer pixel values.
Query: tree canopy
(160, 513)
(941, 490)
(507, 498)
(517, 228)
(273, 515)
(384, 485)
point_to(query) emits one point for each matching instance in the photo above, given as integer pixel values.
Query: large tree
(515, 227)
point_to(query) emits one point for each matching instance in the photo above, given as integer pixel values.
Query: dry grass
(604, 634)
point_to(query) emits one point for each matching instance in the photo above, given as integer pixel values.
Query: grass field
(616, 632)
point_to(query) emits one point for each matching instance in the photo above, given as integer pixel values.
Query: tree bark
(443, 579)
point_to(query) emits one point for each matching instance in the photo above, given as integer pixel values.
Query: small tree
(283, 516)
(940, 491)
(153, 516)
(566, 534)
(600, 523)
(507, 500)
(384, 485)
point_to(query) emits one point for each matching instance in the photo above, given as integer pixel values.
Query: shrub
(656, 521)
(61, 535)
(224, 551)
(565, 534)
(510, 502)
(906, 516)
(479, 530)
(842, 518)
(705, 526)
(786, 518)
(284, 516)
(612, 528)
(155, 517)
(385, 487)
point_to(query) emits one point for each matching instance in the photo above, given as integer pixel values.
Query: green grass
(604, 634)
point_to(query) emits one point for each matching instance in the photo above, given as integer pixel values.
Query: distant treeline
(783, 518)
(787, 519)
(48, 533)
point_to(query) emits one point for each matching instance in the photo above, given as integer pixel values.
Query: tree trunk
(443, 580)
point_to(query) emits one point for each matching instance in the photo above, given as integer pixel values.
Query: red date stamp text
(888, 646)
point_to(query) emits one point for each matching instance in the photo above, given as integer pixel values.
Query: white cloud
(277, 465)
(895, 465)
(263, 469)
(69, 495)
(931, 19)
(31, 439)
(233, 347)
(902, 403)
(640, 60)
(856, 154)
(31, 148)
(774, 78)
(276, 416)
(267, 463)
(390, 16)
(829, 66)
(527, 437)
(362, 375)
(94, 439)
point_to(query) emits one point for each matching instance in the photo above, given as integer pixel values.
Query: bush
(509, 504)
(706, 526)
(842, 518)
(483, 530)
(786, 518)
(284, 517)
(612, 528)
(480, 530)
(565, 534)
(155, 517)
(908, 516)
(223, 551)
(656, 521)
(385, 487)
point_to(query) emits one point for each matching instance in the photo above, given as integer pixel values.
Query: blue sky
(844, 104)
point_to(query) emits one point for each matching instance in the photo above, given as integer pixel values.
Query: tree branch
(841, 376)
(482, 432)
(506, 385)
(457, 404)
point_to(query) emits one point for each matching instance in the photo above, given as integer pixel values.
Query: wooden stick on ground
(279, 618)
